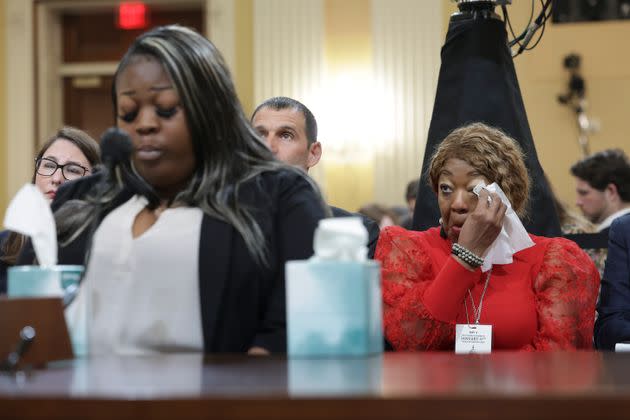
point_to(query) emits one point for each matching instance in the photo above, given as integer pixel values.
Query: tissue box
(53, 281)
(36, 281)
(333, 308)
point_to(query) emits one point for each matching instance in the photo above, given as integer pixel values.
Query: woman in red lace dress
(543, 300)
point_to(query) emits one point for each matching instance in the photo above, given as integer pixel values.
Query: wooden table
(503, 385)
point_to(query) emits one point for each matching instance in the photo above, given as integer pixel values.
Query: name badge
(473, 338)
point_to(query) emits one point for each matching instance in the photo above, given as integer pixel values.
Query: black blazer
(613, 321)
(3, 266)
(370, 225)
(242, 303)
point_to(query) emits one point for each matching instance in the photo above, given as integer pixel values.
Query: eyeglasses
(70, 171)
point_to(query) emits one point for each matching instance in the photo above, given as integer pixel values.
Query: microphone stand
(27, 335)
(585, 126)
(575, 98)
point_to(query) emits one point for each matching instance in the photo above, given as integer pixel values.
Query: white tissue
(341, 239)
(513, 237)
(29, 213)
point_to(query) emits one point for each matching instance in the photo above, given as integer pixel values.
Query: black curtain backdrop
(478, 82)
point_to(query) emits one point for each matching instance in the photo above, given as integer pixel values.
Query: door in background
(92, 38)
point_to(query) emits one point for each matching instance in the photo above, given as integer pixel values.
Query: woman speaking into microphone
(188, 252)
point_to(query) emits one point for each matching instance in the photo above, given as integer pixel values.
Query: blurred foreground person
(188, 252)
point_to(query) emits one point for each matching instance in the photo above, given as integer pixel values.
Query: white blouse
(142, 294)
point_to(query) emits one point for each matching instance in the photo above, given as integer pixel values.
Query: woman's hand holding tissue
(483, 224)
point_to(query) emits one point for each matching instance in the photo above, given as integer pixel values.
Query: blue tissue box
(334, 308)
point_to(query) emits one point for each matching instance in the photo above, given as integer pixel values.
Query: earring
(440, 221)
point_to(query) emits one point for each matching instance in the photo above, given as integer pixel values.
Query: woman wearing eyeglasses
(69, 154)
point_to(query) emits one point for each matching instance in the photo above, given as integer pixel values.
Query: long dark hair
(14, 243)
(229, 152)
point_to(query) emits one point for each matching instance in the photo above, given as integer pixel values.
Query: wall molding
(407, 35)
(289, 53)
(20, 94)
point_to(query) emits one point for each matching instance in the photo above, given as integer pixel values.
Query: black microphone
(116, 149)
(27, 335)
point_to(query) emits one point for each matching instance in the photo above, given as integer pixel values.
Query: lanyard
(477, 310)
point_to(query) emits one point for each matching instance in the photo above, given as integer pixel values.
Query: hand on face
(471, 221)
(483, 224)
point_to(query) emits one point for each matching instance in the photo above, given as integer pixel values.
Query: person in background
(410, 197)
(573, 224)
(613, 321)
(543, 300)
(603, 186)
(570, 221)
(289, 129)
(382, 215)
(189, 250)
(67, 155)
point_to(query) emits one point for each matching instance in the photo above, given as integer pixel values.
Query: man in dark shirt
(410, 197)
(290, 130)
(603, 186)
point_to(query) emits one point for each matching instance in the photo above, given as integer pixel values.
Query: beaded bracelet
(467, 256)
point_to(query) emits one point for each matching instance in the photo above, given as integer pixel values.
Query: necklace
(477, 310)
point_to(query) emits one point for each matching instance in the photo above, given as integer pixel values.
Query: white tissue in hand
(29, 213)
(341, 239)
(513, 237)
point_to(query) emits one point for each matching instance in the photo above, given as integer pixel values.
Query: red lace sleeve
(407, 274)
(566, 289)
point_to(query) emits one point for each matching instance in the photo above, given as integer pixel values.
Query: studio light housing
(479, 8)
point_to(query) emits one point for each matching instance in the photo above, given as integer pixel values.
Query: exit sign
(132, 15)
